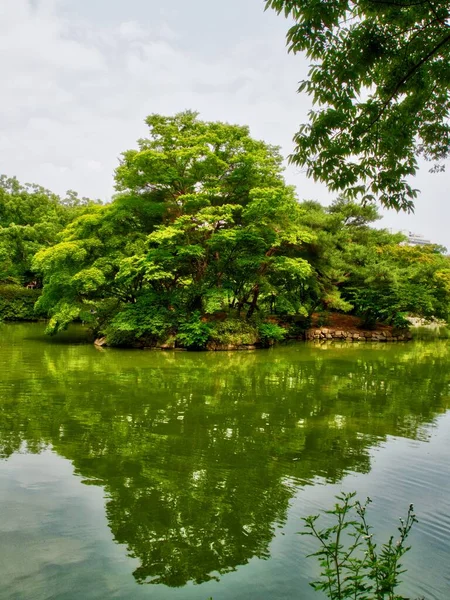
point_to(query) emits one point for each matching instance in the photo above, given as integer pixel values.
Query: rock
(381, 335)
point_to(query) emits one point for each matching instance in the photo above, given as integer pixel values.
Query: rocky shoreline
(355, 335)
(317, 334)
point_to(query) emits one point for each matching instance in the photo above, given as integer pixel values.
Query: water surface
(143, 474)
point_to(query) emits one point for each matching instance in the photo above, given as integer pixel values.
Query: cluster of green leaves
(17, 303)
(397, 280)
(379, 79)
(31, 218)
(352, 566)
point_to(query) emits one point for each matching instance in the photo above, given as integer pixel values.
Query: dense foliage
(379, 79)
(17, 303)
(205, 245)
(31, 218)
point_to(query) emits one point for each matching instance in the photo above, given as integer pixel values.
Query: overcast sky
(78, 78)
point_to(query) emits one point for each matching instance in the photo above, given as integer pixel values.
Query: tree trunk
(254, 302)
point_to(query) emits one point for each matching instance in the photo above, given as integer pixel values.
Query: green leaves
(351, 565)
(203, 222)
(194, 333)
(394, 280)
(379, 81)
(185, 162)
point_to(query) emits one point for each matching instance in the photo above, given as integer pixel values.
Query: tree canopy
(31, 218)
(203, 220)
(379, 79)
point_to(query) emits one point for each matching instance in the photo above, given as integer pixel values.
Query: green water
(140, 474)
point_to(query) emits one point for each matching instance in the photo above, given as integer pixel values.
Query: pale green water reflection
(200, 464)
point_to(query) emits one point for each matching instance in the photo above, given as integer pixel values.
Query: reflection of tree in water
(199, 453)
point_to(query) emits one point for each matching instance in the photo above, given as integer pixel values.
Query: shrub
(234, 331)
(194, 334)
(270, 333)
(141, 324)
(17, 303)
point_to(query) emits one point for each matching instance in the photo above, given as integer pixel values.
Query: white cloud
(131, 30)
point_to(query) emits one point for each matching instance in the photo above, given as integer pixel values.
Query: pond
(175, 475)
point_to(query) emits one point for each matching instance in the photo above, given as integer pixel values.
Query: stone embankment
(379, 335)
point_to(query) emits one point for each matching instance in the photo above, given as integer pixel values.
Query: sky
(79, 77)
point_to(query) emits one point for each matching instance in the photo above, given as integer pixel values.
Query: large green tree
(379, 79)
(202, 221)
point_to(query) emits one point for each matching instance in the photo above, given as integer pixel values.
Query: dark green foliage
(379, 78)
(144, 322)
(17, 303)
(351, 564)
(322, 319)
(395, 280)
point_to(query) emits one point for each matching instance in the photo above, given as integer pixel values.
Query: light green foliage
(351, 564)
(379, 79)
(81, 269)
(188, 164)
(31, 218)
(271, 332)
